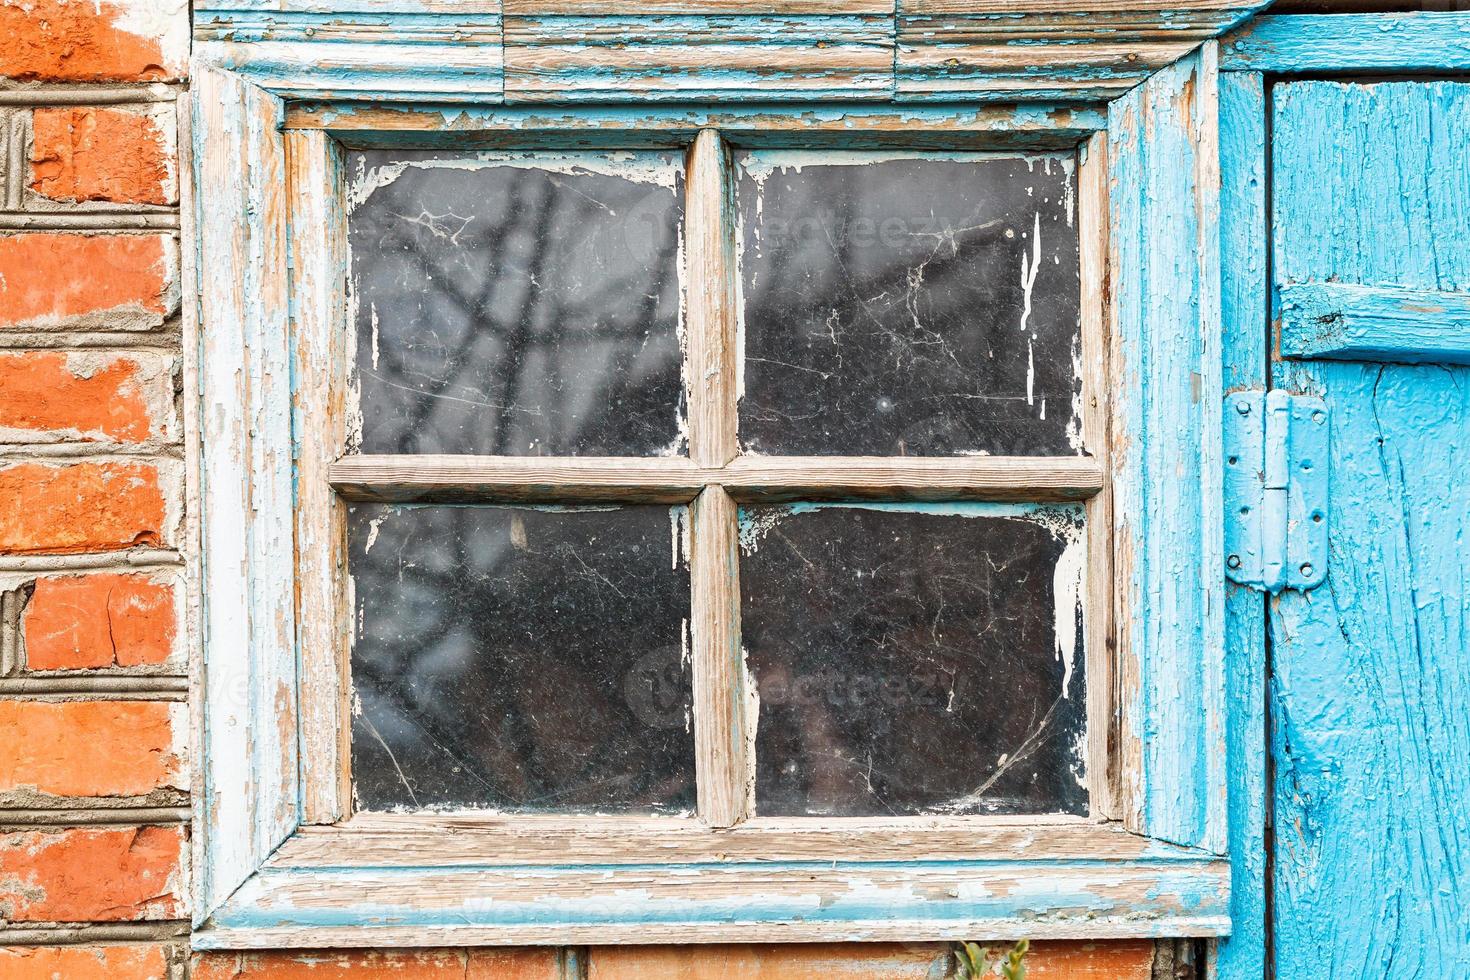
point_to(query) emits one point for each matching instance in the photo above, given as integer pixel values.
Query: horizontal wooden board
(1346, 322)
(975, 127)
(748, 478)
(1422, 41)
(758, 8)
(409, 840)
(999, 897)
(554, 59)
(715, 51)
(516, 478)
(364, 70)
(777, 478)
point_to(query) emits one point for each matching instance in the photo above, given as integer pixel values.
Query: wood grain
(319, 261)
(749, 901)
(747, 478)
(659, 480)
(1103, 704)
(999, 478)
(697, 59)
(1371, 671)
(1165, 455)
(946, 127)
(1388, 324)
(409, 840)
(249, 738)
(724, 725)
(710, 319)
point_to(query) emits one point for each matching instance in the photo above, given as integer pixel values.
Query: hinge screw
(1307, 569)
(1244, 408)
(1233, 561)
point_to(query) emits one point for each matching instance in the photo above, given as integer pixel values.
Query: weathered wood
(1371, 671)
(1349, 322)
(700, 59)
(1165, 446)
(378, 840)
(1001, 478)
(335, 52)
(249, 739)
(724, 723)
(1000, 897)
(748, 478)
(319, 363)
(531, 479)
(946, 127)
(1101, 645)
(1419, 41)
(709, 327)
(574, 52)
(1243, 251)
(1087, 56)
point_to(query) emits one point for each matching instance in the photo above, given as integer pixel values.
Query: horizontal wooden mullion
(763, 479)
(999, 478)
(518, 479)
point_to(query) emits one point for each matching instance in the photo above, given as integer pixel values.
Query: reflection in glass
(915, 660)
(518, 305)
(896, 305)
(517, 658)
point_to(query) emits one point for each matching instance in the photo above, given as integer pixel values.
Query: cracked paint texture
(1371, 683)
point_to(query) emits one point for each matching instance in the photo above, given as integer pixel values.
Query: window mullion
(710, 323)
(724, 765)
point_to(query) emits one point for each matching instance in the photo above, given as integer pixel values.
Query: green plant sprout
(976, 961)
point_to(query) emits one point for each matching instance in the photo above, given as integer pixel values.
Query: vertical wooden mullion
(710, 326)
(723, 759)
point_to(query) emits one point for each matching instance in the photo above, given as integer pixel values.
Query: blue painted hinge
(1275, 490)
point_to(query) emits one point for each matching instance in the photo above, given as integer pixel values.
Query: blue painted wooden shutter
(1371, 673)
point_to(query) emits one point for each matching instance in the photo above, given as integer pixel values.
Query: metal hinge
(1275, 490)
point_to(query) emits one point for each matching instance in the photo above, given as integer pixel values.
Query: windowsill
(389, 880)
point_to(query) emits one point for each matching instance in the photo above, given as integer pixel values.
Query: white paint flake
(1030, 266)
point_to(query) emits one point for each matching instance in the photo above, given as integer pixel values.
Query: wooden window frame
(267, 412)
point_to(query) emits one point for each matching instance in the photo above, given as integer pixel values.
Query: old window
(649, 523)
(894, 657)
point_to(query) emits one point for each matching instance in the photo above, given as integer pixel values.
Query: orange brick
(84, 396)
(84, 962)
(82, 622)
(91, 748)
(451, 964)
(93, 40)
(116, 155)
(867, 961)
(82, 875)
(81, 507)
(124, 282)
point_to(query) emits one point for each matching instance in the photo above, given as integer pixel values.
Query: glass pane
(916, 659)
(897, 305)
(518, 305)
(520, 658)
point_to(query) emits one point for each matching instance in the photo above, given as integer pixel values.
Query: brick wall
(93, 714)
(93, 670)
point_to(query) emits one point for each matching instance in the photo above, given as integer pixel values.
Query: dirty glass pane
(515, 304)
(896, 305)
(520, 659)
(916, 660)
